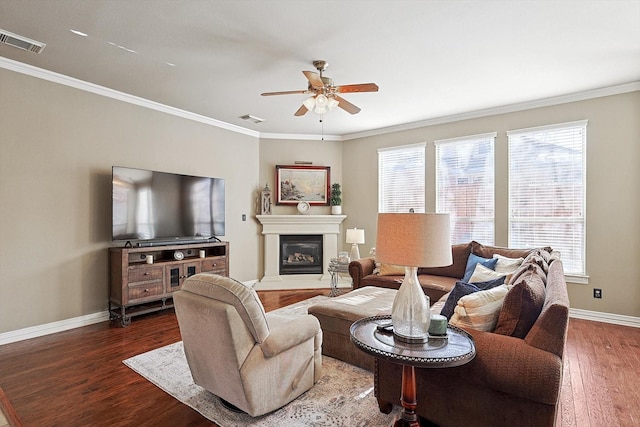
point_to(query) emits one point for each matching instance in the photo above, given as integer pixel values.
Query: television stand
(137, 288)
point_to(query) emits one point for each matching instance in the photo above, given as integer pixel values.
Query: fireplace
(276, 226)
(300, 254)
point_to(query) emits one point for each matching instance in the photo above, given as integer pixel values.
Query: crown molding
(301, 136)
(51, 76)
(511, 108)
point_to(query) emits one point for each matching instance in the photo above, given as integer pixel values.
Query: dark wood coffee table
(456, 349)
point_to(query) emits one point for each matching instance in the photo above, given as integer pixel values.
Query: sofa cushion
(460, 254)
(473, 261)
(522, 305)
(480, 310)
(462, 289)
(436, 308)
(488, 251)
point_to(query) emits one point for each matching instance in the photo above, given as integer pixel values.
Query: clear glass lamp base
(410, 313)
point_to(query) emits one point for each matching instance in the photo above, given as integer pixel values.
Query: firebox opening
(300, 254)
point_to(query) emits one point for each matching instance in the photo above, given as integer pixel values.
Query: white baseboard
(90, 319)
(597, 316)
(53, 327)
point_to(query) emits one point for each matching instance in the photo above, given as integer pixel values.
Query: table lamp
(413, 240)
(355, 236)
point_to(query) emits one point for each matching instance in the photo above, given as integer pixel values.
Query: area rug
(342, 397)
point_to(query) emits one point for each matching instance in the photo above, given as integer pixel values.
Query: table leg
(334, 284)
(408, 399)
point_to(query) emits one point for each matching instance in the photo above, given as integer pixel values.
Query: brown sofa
(435, 282)
(516, 376)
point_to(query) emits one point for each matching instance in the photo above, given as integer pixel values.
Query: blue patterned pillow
(475, 259)
(462, 288)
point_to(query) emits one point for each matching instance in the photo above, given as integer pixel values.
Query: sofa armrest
(360, 268)
(508, 364)
(286, 332)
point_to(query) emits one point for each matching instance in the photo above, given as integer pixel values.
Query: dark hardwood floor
(77, 378)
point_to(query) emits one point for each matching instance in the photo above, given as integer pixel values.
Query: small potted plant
(336, 199)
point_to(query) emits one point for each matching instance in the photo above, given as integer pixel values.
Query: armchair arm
(360, 268)
(286, 332)
(510, 365)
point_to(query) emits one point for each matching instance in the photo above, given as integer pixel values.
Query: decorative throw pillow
(483, 274)
(507, 265)
(524, 268)
(471, 265)
(390, 270)
(461, 289)
(522, 305)
(536, 258)
(480, 310)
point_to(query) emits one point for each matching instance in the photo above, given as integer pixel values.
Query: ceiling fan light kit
(324, 95)
(320, 104)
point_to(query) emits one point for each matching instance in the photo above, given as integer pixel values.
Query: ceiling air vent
(20, 42)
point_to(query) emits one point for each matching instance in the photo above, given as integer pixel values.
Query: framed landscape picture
(295, 184)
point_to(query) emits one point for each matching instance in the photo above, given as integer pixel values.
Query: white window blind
(547, 190)
(401, 178)
(465, 186)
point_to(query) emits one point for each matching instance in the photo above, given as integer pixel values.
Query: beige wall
(57, 146)
(286, 152)
(613, 188)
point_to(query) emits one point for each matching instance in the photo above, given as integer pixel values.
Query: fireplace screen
(300, 254)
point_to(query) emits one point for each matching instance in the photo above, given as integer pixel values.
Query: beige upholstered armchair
(257, 362)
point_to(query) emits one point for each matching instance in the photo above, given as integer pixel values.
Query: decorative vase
(410, 312)
(336, 210)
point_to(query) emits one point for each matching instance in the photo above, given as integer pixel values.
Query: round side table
(453, 349)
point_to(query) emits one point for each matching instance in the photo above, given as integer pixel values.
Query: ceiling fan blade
(301, 111)
(362, 87)
(314, 79)
(346, 105)
(288, 92)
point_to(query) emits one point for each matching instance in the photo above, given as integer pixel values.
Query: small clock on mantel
(303, 208)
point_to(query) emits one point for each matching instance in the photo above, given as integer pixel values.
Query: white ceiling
(430, 58)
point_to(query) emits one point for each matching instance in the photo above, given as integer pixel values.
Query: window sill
(579, 279)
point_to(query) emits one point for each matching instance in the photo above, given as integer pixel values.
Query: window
(401, 177)
(465, 186)
(547, 190)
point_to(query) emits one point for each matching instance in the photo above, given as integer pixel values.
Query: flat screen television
(152, 206)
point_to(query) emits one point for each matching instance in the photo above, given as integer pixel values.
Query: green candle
(438, 325)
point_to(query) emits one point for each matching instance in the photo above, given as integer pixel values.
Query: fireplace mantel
(275, 225)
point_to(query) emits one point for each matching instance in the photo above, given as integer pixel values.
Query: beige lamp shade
(414, 239)
(355, 235)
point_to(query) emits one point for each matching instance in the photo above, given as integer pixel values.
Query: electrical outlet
(597, 293)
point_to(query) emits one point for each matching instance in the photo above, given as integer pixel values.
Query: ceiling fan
(324, 95)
